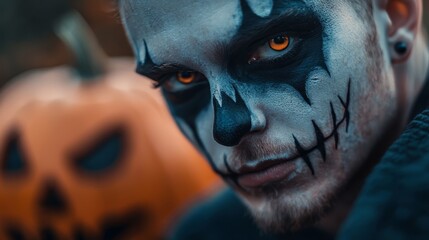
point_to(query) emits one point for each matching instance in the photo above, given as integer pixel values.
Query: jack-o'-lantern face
(91, 161)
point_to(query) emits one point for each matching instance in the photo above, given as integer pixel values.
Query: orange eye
(279, 42)
(186, 77)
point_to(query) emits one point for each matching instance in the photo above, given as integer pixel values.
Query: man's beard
(291, 213)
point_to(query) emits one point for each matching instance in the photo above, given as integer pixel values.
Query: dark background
(27, 40)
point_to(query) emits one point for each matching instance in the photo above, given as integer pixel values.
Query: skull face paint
(280, 96)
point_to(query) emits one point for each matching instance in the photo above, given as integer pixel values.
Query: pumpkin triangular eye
(104, 152)
(13, 159)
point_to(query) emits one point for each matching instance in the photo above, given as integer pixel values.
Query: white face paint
(262, 8)
(287, 128)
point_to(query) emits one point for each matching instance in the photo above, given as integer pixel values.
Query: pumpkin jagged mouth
(111, 228)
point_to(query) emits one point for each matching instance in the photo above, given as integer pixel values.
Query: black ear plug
(401, 48)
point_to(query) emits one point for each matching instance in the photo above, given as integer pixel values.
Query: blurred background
(87, 148)
(28, 41)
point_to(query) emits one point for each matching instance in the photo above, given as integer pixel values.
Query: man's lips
(264, 173)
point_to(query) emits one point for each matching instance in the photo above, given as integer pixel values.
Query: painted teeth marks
(346, 107)
(334, 121)
(304, 154)
(320, 140)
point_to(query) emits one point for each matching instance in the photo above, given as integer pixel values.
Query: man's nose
(232, 120)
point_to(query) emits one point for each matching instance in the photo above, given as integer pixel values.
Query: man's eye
(279, 42)
(186, 77)
(276, 47)
(182, 80)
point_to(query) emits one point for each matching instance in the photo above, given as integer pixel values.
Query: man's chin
(283, 211)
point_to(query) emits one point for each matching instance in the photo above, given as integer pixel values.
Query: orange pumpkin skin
(55, 119)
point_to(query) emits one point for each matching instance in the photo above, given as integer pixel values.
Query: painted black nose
(232, 120)
(52, 201)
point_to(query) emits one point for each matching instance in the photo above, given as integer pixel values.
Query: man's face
(284, 98)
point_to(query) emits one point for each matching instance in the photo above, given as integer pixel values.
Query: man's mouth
(275, 170)
(265, 172)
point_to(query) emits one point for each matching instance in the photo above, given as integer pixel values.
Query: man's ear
(404, 19)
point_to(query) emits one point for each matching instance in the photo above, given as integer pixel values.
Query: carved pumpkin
(92, 160)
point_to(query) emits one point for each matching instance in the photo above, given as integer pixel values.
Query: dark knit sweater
(394, 203)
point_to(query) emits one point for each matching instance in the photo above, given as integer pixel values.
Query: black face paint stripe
(248, 14)
(346, 107)
(231, 175)
(145, 67)
(334, 121)
(232, 119)
(320, 140)
(303, 154)
(187, 111)
(203, 149)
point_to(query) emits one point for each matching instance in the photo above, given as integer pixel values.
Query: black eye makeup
(275, 41)
(277, 48)
(181, 81)
(172, 77)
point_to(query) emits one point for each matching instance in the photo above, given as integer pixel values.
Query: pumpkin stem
(77, 35)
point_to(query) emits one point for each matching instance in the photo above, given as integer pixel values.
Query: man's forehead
(179, 23)
(186, 26)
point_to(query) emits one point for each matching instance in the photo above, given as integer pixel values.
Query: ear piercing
(401, 48)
